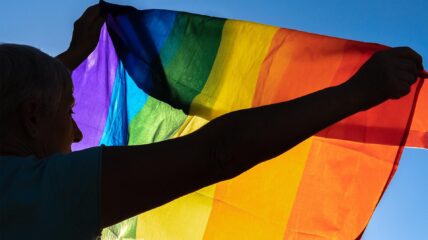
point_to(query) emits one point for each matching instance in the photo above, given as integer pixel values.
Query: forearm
(151, 175)
(138, 178)
(245, 138)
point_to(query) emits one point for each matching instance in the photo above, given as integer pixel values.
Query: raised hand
(85, 37)
(386, 75)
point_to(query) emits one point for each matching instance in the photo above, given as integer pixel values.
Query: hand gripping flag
(159, 74)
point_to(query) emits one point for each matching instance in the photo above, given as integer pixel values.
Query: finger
(97, 15)
(98, 24)
(408, 77)
(406, 52)
(406, 64)
(402, 89)
(90, 10)
(91, 13)
(99, 21)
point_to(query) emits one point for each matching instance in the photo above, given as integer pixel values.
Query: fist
(86, 32)
(386, 75)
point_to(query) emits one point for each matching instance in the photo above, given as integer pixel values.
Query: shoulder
(60, 191)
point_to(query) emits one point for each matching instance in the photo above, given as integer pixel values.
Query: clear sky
(403, 212)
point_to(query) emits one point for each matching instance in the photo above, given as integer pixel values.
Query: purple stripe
(93, 84)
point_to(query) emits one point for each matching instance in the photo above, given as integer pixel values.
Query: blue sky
(403, 212)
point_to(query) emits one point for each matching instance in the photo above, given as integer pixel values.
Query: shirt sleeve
(77, 177)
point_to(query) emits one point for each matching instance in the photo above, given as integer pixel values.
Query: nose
(77, 133)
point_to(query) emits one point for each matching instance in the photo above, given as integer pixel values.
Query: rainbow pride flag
(160, 74)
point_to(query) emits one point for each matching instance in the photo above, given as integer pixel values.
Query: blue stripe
(135, 33)
(126, 101)
(138, 38)
(136, 98)
(116, 129)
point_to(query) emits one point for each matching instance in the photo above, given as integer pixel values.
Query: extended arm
(139, 178)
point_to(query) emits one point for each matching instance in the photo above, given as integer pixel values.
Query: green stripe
(155, 122)
(187, 56)
(194, 41)
(126, 229)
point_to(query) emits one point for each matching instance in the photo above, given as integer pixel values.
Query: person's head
(36, 100)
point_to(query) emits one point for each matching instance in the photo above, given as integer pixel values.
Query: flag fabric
(159, 74)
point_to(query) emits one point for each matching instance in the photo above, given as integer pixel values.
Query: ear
(31, 117)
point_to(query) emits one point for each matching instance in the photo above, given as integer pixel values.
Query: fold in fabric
(159, 74)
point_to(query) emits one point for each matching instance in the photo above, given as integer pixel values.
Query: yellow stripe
(234, 75)
(183, 218)
(258, 203)
(230, 86)
(245, 203)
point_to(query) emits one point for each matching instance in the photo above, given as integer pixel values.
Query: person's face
(59, 130)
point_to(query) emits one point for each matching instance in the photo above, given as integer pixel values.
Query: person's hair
(26, 72)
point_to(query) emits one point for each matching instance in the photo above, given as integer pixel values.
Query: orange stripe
(345, 179)
(257, 204)
(231, 86)
(298, 64)
(379, 125)
(172, 220)
(339, 190)
(418, 135)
